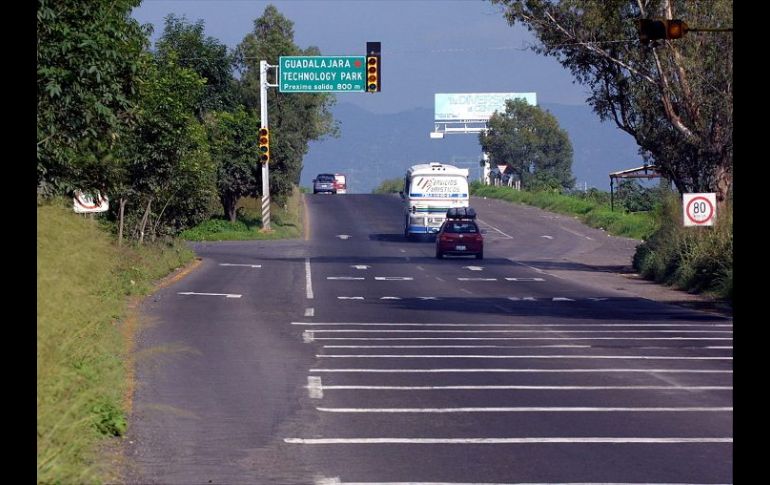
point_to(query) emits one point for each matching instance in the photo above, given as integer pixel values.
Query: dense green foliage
(692, 258)
(187, 44)
(234, 139)
(530, 142)
(83, 280)
(165, 133)
(390, 186)
(675, 97)
(87, 71)
(586, 207)
(169, 175)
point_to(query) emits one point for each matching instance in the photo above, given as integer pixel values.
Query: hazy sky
(428, 46)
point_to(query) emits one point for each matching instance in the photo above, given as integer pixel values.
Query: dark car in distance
(460, 235)
(324, 183)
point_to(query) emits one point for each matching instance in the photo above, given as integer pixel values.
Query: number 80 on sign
(699, 209)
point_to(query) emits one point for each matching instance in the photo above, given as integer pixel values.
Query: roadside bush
(697, 259)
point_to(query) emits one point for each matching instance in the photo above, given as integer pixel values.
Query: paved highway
(355, 356)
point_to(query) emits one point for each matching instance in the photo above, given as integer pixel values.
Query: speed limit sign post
(699, 209)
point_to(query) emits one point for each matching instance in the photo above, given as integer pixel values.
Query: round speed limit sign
(699, 209)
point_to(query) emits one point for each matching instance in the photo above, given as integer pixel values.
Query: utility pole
(263, 85)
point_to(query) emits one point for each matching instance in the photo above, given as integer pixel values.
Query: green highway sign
(321, 74)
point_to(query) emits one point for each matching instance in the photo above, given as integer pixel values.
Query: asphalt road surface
(355, 356)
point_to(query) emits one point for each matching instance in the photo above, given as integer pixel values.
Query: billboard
(474, 106)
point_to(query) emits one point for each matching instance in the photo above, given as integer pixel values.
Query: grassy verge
(637, 225)
(286, 222)
(697, 259)
(83, 284)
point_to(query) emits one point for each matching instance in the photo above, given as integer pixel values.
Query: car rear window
(461, 227)
(325, 178)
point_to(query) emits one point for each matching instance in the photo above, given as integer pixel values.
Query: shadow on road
(593, 308)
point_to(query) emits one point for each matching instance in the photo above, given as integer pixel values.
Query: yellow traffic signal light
(650, 29)
(372, 74)
(675, 28)
(264, 145)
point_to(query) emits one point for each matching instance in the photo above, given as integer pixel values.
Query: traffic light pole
(263, 85)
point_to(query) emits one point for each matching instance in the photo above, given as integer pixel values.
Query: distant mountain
(375, 147)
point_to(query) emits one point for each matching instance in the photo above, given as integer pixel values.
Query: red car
(460, 235)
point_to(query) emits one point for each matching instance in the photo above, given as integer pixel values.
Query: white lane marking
(724, 347)
(307, 336)
(464, 290)
(309, 312)
(512, 331)
(524, 279)
(494, 228)
(226, 295)
(598, 299)
(364, 441)
(393, 278)
(481, 356)
(561, 298)
(523, 338)
(474, 268)
(344, 236)
(538, 270)
(239, 264)
(463, 347)
(346, 278)
(530, 410)
(547, 237)
(402, 250)
(428, 298)
(360, 266)
(315, 387)
(308, 280)
(420, 268)
(390, 298)
(336, 481)
(526, 298)
(531, 388)
(566, 371)
(538, 325)
(440, 279)
(350, 297)
(477, 279)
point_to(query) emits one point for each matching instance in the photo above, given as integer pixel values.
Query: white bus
(430, 189)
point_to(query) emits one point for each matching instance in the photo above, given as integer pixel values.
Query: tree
(294, 118)
(530, 141)
(674, 97)
(389, 186)
(234, 144)
(87, 68)
(206, 56)
(166, 157)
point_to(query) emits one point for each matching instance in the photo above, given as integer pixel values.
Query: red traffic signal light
(264, 145)
(650, 29)
(372, 74)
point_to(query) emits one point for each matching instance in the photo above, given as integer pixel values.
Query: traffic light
(264, 145)
(372, 79)
(650, 29)
(373, 67)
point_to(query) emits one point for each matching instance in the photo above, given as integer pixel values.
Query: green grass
(638, 225)
(83, 284)
(286, 222)
(697, 259)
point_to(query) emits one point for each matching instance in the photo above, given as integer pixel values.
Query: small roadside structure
(644, 172)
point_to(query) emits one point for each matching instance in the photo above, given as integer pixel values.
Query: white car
(340, 184)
